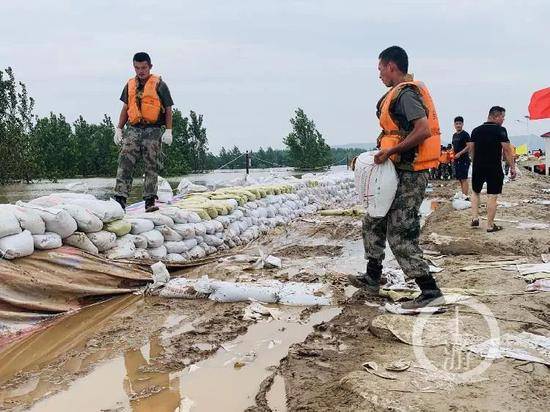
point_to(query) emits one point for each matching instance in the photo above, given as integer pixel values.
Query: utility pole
(247, 162)
(347, 162)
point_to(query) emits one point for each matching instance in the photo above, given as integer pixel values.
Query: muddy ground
(152, 354)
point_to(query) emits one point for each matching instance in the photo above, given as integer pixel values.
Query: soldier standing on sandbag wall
(411, 139)
(147, 108)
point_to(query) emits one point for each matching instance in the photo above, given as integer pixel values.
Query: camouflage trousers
(138, 143)
(400, 227)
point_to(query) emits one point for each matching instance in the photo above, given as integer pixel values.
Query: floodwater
(102, 187)
(233, 374)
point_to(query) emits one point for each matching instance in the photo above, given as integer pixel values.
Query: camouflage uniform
(401, 226)
(139, 142)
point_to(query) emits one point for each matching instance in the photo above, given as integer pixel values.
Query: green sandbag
(118, 227)
(203, 214)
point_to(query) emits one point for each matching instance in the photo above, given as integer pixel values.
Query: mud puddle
(233, 373)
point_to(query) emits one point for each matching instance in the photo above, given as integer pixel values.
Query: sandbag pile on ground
(189, 228)
(50, 221)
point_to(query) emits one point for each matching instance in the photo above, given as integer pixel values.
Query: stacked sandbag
(191, 227)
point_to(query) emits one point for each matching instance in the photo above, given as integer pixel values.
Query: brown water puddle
(233, 374)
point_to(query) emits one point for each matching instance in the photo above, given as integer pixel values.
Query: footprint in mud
(301, 251)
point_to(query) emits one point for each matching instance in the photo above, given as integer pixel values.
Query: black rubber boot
(121, 201)
(370, 281)
(150, 204)
(430, 295)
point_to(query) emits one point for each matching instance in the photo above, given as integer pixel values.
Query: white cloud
(248, 64)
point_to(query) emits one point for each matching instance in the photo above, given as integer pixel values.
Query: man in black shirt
(462, 157)
(488, 142)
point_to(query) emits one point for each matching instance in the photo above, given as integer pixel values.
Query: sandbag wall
(190, 228)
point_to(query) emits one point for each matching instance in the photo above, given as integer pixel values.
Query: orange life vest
(150, 105)
(451, 156)
(444, 157)
(427, 155)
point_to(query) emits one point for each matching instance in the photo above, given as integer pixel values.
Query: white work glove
(117, 138)
(167, 137)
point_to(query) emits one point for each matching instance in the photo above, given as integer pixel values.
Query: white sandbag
(154, 238)
(157, 218)
(175, 258)
(128, 238)
(140, 242)
(239, 292)
(224, 220)
(186, 186)
(200, 229)
(164, 191)
(375, 184)
(48, 240)
(9, 225)
(124, 249)
(192, 217)
(57, 220)
(16, 246)
(190, 243)
(140, 225)
(176, 214)
(46, 201)
(196, 252)
(141, 254)
(217, 225)
(461, 204)
(86, 221)
(81, 241)
(157, 252)
(176, 247)
(169, 234)
(103, 240)
(212, 240)
(185, 230)
(106, 210)
(28, 220)
(210, 227)
(75, 195)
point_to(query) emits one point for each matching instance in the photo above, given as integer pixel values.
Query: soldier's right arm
(123, 118)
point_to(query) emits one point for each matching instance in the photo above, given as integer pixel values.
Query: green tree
(198, 141)
(53, 147)
(102, 152)
(307, 148)
(16, 121)
(178, 156)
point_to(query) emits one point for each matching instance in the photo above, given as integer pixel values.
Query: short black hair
(142, 57)
(495, 110)
(397, 55)
(459, 119)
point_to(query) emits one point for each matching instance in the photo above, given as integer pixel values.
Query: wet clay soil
(151, 354)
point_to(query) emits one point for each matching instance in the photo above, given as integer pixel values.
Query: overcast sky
(246, 65)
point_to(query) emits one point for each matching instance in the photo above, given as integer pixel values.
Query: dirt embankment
(324, 371)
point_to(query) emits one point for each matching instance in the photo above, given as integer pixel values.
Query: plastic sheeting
(60, 280)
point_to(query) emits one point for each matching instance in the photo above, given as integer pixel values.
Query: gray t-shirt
(407, 108)
(164, 96)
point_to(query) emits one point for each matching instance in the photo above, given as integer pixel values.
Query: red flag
(539, 106)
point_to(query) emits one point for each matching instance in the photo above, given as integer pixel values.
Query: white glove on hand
(117, 138)
(167, 137)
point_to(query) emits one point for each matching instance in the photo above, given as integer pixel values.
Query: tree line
(50, 147)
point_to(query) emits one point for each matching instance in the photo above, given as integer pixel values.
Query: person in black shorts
(486, 146)
(462, 156)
